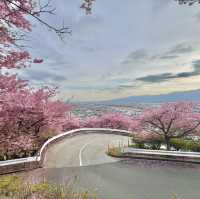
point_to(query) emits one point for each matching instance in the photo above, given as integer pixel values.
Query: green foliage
(139, 145)
(153, 144)
(185, 145)
(13, 187)
(2, 157)
(10, 185)
(41, 187)
(178, 144)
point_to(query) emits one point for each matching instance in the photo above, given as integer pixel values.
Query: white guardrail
(82, 131)
(22, 164)
(163, 153)
(37, 161)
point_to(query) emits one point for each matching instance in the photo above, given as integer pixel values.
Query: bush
(185, 145)
(17, 154)
(139, 145)
(153, 144)
(115, 151)
(177, 144)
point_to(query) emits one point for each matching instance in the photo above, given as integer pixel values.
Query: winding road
(83, 158)
(82, 150)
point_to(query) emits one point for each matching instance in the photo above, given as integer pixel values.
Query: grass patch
(115, 151)
(13, 187)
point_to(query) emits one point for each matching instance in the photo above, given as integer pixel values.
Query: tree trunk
(167, 141)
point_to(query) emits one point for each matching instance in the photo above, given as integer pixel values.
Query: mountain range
(172, 97)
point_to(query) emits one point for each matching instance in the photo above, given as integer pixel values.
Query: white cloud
(120, 42)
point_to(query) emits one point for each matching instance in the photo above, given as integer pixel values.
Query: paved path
(82, 150)
(115, 179)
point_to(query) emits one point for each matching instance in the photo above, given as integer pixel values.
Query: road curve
(81, 159)
(82, 150)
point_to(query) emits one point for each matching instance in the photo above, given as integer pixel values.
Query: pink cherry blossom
(172, 120)
(110, 120)
(26, 113)
(14, 21)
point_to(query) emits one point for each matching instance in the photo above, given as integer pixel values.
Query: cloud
(142, 55)
(138, 54)
(43, 76)
(180, 49)
(156, 78)
(197, 16)
(196, 65)
(167, 76)
(168, 57)
(119, 54)
(135, 56)
(194, 72)
(185, 74)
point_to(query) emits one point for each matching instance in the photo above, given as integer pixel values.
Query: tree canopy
(172, 120)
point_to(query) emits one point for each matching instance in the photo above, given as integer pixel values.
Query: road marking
(80, 153)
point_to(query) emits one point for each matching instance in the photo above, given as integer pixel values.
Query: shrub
(155, 145)
(142, 141)
(13, 187)
(114, 151)
(139, 145)
(185, 145)
(177, 144)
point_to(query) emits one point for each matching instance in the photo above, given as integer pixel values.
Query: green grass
(13, 187)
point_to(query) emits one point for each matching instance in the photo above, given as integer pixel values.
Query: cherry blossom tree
(172, 120)
(13, 25)
(145, 136)
(24, 113)
(110, 120)
(71, 123)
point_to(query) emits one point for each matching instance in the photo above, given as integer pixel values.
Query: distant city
(90, 110)
(132, 106)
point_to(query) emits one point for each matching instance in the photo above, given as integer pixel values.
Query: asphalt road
(83, 150)
(83, 160)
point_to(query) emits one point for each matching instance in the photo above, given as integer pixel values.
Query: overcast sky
(124, 48)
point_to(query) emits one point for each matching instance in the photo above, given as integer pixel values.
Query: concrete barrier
(176, 156)
(25, 164)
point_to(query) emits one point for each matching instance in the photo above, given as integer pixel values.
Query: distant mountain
(172, 97)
